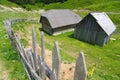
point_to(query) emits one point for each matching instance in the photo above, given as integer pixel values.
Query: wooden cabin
(95, 28)
(58, 21)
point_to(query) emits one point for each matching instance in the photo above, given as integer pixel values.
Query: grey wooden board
(42, 70)
(80, 69)
(42, 46)
(34, 48)
(56, 60)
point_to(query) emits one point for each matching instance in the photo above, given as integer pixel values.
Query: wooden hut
(95, 28)
(57, 21)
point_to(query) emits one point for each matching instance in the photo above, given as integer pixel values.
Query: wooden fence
(35, 65)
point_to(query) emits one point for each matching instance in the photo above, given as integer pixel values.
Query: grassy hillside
(106, 59)
(99, 5)
(104, 5)
(8, 55)
(8, 3)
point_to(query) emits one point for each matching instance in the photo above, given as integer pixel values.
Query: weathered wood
(18, 44)
(56, 60)
(28, 65)
(27, 55)
(8, 25)
(48, 72)
(35, 76)
(42, 70)
(34, 48)
(95, 29)
(80, 69)
(53, 76)
(33, 40)
(26, 70)
(32, 60)
(42, 47)
(39, 62)
(21, 54)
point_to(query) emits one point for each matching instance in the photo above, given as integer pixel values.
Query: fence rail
(35, 65)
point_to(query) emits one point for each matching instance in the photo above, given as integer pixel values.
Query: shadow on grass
(72, 36)
(44, 31)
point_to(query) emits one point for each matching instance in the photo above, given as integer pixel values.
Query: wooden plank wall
(89, 31)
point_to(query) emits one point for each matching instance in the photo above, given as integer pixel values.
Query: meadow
(105, 59)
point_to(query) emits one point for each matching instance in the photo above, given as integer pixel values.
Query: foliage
(51, 1)
(22, 2)
(100, 5)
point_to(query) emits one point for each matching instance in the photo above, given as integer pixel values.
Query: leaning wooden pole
(56, 60)
(34, 48)
(42, 47)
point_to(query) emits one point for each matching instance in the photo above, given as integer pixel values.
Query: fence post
(42, 70)
(33, 40)
(34, 48)
(56, 60)
(42, 47)
(80, 69)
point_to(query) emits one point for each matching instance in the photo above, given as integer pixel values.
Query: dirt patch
(67, 69)
(20, 34)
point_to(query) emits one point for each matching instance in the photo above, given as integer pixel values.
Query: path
(13, 9)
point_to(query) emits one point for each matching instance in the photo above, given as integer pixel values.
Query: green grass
(8, 54)
(8, 3)
(99, 5)
(10, 58)
(105, 58)
(106, 6)
(95, 5)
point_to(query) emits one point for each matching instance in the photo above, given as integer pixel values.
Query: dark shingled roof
(104, 21)
(62, 17)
